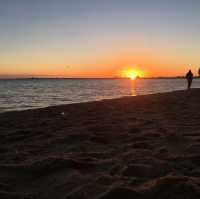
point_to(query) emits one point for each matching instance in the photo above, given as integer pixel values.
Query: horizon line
(40, 78)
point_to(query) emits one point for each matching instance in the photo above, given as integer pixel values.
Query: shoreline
(141, 147)
(117, 98)
(88, 78)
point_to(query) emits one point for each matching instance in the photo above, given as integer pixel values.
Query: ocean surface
(37, 93)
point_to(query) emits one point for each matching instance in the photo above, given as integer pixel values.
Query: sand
(133, 147)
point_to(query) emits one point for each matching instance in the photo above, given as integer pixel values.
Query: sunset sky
(99, 38)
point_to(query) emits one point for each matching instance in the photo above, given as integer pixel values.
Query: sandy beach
(133, 147)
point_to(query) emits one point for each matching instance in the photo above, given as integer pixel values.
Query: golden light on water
(131, 73)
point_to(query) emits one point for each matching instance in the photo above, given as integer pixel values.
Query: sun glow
(131, 73)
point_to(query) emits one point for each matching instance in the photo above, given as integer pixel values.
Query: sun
(130, 73)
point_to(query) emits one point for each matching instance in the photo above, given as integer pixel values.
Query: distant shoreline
(90, 78)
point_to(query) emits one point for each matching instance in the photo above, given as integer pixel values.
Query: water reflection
(133, 87)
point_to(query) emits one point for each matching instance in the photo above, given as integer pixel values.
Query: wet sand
(134, 147)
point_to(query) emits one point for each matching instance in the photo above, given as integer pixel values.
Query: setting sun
(131, 73)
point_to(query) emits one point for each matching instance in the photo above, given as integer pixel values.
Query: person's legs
(189, 83)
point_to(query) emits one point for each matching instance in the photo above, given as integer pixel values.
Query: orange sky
(147, 62)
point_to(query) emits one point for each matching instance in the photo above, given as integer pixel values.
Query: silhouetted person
(199, 72)
(189, 77)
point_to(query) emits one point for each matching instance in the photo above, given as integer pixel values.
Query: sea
(21, 94)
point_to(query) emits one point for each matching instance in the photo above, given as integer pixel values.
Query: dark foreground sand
(130, 148)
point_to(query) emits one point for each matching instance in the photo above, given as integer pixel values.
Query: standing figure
(189, 77)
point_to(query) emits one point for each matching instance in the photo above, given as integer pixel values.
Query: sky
(99, 38)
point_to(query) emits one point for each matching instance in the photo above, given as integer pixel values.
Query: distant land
(47, 78)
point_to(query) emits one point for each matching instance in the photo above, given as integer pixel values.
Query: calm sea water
(36, 93)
